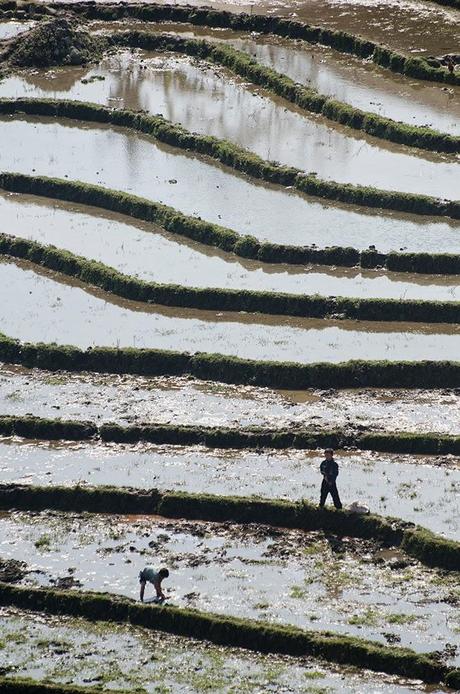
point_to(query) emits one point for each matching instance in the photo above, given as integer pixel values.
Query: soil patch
(57, 42)
(12, 571)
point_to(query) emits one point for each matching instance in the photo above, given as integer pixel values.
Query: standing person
(329, 470)
(155, 577)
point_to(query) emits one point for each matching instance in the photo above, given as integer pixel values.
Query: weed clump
(57, 42)
(12, 571)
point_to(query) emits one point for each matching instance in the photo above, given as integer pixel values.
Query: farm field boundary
(230, 369)
(341, 41)
(448, 3)
(264, 302)
(232, 631)
(420, 543)
(19, 685)
(226, 239)
(233, 156)
(225, 437)
(306, 98)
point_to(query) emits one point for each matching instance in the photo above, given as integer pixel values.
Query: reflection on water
(9, 29)
(50, 648)
(134, 163)
(341, 76)
(203, 101)
(400, 24)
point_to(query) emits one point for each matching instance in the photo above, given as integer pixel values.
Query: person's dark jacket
(330, 469)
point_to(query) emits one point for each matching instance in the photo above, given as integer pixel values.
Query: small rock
(75, 56)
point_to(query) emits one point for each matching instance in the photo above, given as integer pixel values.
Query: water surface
(243, 571)
(133, 163)
(146, 251)
(420, 489)
(36, 308)
(129, 399)
(272, 128)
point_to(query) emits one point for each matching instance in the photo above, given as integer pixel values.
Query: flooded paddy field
(144, 250)
(272, 129)
(343, 226)
(187, 401)
(308, 579)
(358, 82)
(36, 307)
(421, 489)
(69, 650)
(285, 577)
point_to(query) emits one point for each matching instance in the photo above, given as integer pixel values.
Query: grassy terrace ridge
(416, 67)
(420, 543)
(27, 685)
(233, 156)
(110, 280)
(306, 98)
(448, 3)
(231, 369)
(232, 631)
(226, 239)
(296, 438)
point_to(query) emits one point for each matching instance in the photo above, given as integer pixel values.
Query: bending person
(155, 577)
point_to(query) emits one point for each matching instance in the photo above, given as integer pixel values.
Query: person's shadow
(154, 601)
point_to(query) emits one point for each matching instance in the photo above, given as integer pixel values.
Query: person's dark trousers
(331, 489)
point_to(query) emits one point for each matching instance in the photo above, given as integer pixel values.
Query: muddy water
(420, 489)
(211, 103)
(11, 28)
(128, 399)
(360, 83)
(400, 24)
(144, 250)
(243, 571)
(133, 163)
(124, 657)
(36, 308)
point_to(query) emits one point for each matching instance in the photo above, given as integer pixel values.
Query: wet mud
(171, 400)
(12, 571)
(272, 130)
(55, 42)
(144, 250)
(114, 656)
(289, 577)
(399, 24)
(421, 489)
(35, 307)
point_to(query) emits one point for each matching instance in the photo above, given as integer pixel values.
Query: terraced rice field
(229, 241)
